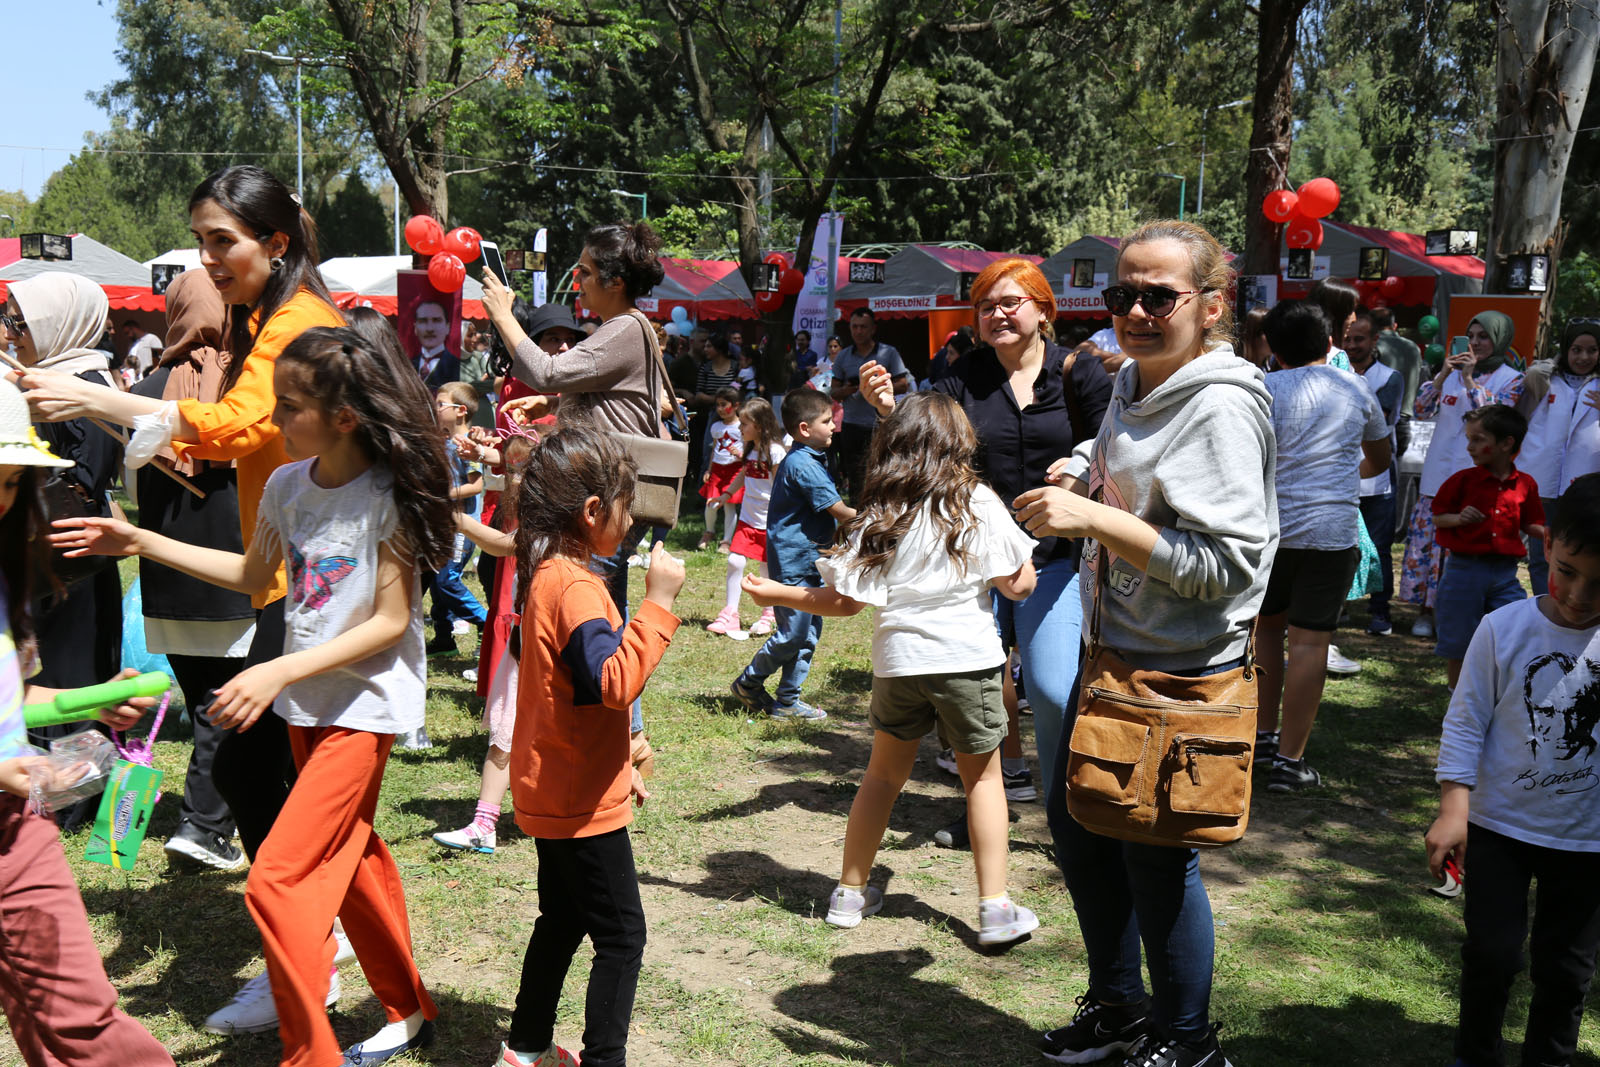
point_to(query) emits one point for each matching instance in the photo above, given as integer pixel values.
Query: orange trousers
(321, 860)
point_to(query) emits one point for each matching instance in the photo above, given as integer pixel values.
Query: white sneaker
(1338, 664)
(470, 674)
(252, 1011)
(946, 761)
(1002, 921)
(467, 839)
(344, 951)
(1423, 627)
(847, 907)
(461, 627)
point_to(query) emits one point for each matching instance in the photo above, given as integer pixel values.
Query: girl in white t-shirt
(764, 449)
(927, 543)
(365, 508)
(727, 458)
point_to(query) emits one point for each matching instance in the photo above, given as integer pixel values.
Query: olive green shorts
(969, 708)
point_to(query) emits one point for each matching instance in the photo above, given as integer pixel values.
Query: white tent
(375, 276)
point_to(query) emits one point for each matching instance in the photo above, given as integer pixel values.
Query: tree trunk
(1270, 135)
(1543, 67)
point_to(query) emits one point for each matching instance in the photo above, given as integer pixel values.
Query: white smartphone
(492, 261)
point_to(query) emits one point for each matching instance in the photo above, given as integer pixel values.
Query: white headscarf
(66, 315)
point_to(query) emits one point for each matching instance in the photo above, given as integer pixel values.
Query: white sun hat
(20, 443)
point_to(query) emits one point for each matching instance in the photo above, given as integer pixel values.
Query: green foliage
(356, 222)
(1577, 290)
(86, 196)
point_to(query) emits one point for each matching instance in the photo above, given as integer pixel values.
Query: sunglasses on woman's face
(1158, 301)
(14, 323)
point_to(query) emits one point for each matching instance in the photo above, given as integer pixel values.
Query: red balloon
(446, 272)
(1392, 288)
(1318, 198)
(768, 302)
(777, 259)
(1279, 205)
(790, 282)
(1302, 232)
(463, 242)
(424, 234)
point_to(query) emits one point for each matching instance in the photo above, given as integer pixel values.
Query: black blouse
(1016, 444)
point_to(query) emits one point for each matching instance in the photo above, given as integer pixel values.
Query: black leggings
(254, 769)
(587, 885)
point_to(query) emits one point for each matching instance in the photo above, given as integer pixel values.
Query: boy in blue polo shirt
(801, 517)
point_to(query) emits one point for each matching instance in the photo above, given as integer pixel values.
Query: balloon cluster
(451, 252)
(681, 325)
(1300, 212)
(1428, 329)
(790, 282)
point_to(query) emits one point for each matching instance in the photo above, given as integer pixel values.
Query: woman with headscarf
(204, 631)
(1488, 372)
(53, 322)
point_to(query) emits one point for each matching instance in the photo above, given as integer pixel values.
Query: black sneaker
(1097, 1032)
(1266, 746)
(1019, 785)
(754, 697)
(1291, 776)
(1170, 1052)
(191, 845)
(1379, 624)
(955, 835)
(442, 645)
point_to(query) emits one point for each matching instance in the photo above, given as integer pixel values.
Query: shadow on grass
(873, 1009)
(1360, 1030)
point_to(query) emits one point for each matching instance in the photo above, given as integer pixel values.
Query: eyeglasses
(14, 324)
(1158, 300)
(1007, 304)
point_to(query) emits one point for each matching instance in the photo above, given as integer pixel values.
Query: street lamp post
(643, 198)
(1200, 190)
(299, 139)
(1183, 189)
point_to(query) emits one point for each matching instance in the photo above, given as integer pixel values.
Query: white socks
(395, 1033)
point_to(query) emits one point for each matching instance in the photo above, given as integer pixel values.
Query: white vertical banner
(540, 277)
(813, 311)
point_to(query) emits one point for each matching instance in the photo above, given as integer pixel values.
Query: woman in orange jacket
(259, 247)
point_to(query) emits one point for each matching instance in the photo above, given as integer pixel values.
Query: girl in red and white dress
(764, 448)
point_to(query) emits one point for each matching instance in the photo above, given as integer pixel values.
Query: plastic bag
(77, 766)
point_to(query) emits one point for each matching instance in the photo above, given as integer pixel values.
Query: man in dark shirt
(859, 417)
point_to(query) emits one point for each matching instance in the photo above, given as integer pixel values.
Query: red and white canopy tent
(708, 289)
(927, 282)
(125, 280)
(1426, 282)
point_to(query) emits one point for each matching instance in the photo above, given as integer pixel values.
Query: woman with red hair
(1030, 401)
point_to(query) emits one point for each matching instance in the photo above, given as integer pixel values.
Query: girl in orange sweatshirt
(572, 777)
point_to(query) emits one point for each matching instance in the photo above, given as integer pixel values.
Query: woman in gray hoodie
(1179, 496)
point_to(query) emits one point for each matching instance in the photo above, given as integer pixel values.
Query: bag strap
(658, 364)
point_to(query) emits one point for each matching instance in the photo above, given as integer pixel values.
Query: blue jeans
(1125, 893)
(789, 649)
(1538, 566)
(1470, 588)
(1046, 629)
(451, 599)
(1377, 512)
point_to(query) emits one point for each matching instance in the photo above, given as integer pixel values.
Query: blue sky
(44, 77)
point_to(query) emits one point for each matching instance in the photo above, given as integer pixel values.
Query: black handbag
(63, 497)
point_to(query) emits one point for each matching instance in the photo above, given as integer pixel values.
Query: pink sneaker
(726, 622)
(764, 624)
(554, 1056)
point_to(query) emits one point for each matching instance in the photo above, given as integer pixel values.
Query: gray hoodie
(1196, 458)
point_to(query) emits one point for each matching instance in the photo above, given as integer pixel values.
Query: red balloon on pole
(1302, 232)
(1318, 198)
(424, 234)
(446, 272)
(1392, 288)
(790, 282)
(463, 242)
(1279, 205)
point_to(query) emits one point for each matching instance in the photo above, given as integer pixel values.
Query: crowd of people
(1198, 510)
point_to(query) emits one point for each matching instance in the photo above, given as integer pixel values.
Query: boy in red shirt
(1481, 514)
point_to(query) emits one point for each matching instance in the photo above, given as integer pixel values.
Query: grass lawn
(1329, 949)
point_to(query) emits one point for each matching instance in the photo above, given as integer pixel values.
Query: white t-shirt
(1320, 416)
(1105, 340)
(1377, 375)
(727, 446)
(933, 616)
(330, 540)
(1523, 728)
(143, 352)
(758, 478)
(1583, 440)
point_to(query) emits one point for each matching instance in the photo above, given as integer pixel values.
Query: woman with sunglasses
(1181, 513)
(1553, 395)
(259, 248)
(1030, 402)
(1485, 373)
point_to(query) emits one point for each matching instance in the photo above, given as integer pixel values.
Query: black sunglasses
(14, 324)
(1158, 300)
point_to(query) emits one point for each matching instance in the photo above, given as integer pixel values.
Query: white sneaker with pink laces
(765, 624)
